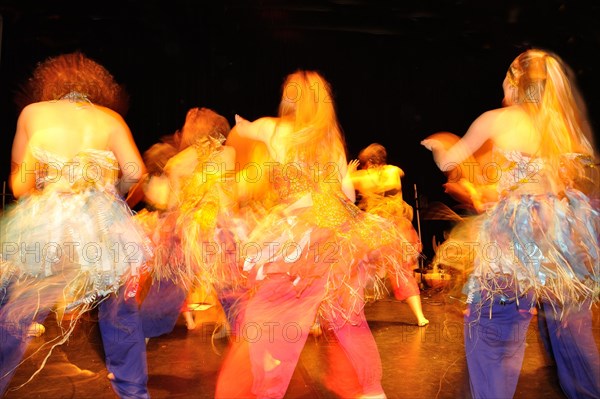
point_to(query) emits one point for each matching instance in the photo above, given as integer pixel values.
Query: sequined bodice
(89, 168)
(329, 207)
(293, 180)
(520, 172)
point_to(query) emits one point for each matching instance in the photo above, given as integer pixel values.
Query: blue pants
(120, 328)
(124, 345)
(572, 345)
(161, 307)
(15, 319)
(230, 300)
(495, 346)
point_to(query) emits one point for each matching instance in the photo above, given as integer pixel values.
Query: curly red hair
(58, 76)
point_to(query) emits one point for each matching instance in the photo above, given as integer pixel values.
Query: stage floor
(418, 362)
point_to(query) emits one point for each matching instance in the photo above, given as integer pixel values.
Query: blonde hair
(547, 90)
(307, 103)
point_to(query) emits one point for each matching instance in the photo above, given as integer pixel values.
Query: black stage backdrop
(400, 70)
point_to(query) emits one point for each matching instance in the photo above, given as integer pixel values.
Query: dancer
(543, 230)
(70, 243)
(315, 251)
(380, 191)
(193, 194)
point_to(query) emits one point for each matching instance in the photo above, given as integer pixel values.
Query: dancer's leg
(414, 302)
(16, 316)
(405, 288)
(360, 348)
(495, 346)
(160, 308)
(124, 345)
(271, 334)
(575, 350)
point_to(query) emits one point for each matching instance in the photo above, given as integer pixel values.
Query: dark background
(400, 70)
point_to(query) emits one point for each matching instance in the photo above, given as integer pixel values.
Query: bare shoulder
(496, 122)
(228, 152)
(390, 178)
(112, 123)
(182, 163)
(268, 125)
(513, 118)
(35, 109)
(267, 120)
(394, 170)
(110, 114)
(505, 114)
(260, 129)
(516, 131)
(228, 149)
(491, 116)
(511, 111)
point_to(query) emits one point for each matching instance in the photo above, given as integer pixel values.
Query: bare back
(66, 128)
(514, 131)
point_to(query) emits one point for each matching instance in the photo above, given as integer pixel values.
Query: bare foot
(423, 322)
(111, 376)
(189, 320)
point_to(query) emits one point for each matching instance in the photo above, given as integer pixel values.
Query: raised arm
(485, 127)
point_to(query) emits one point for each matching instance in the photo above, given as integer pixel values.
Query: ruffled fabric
(196, 240)
(531, 239)
(167, 259)
(543, 242)
(75, 237)
(391, 206)
(316, 231)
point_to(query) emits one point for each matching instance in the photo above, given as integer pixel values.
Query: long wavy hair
(307, 103)
(58, 76)
(547, 90)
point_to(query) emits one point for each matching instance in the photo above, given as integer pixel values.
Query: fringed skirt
(332, 239)
(68, 251)
(543, 243)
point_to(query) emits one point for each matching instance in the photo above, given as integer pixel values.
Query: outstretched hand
(239, 119)
(440, 141)
(431, 144)
(353, 165)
